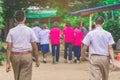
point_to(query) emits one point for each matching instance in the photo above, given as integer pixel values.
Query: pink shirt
(78, 36)
(68, 34)
(55, 35)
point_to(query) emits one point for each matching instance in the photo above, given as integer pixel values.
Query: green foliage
(1, 15)
(113, 26)
(116, 13)
(72, 19)
(111, 1)
(10, 6)
(2, 49)
(60, 12)
(1, 19)
(30, 24)
(1, 9)
(86, 20)
(2, 58)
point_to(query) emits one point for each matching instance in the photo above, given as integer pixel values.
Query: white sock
(75, 58)
(44, 59)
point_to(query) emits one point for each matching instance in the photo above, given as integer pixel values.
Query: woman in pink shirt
(77, 43)
(55, 41)
(68, 40)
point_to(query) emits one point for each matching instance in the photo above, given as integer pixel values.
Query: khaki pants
(99, 67)
(22, 66)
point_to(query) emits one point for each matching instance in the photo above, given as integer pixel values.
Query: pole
(80, 22)
(90, 23)
(49, 25)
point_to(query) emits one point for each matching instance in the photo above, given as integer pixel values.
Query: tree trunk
(8, 26)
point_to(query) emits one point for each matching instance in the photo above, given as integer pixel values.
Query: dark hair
(44, 26)
(36, 23)
(67, 24)
(83, 24)
(19, 15)
(76, 26)
(93, 26)
(55, 24)
(99, 20)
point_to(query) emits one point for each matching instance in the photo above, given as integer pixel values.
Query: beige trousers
(99, 67)
(22, 66)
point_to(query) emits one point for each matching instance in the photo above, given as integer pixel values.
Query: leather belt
(95, 55)
(98, 55)
(25, 52)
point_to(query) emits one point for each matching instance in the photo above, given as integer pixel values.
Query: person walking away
(55, 41)
(37, 30)
(77, 43)
(44, 36)
(100, 48)
(83, 29)
(19, 41)
(68, 41)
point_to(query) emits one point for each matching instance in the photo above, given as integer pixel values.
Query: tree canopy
(63, 7)
(10, 6)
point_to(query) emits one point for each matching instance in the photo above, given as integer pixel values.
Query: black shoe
(75, 61)
(44, 61)
(53, 60)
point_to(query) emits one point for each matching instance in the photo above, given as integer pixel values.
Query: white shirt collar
(99, 27)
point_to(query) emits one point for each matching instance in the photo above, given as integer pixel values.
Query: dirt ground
(60, 71)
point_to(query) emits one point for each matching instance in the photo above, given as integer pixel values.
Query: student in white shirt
(44, 36)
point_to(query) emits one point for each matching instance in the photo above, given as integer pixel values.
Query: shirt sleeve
(33, 37)
(111, 41)
(48, 31)
(9, 37)
(86, 40)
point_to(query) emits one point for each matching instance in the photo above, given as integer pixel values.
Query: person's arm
(112, 56)
(74, 35)
(35, 53)
(84, 48)
(8, 54)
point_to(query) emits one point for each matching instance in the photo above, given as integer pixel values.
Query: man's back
(21, 38)
(100, 44)
(99, 41)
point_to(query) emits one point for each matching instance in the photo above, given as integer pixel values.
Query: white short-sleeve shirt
(21, 37)
(98, 41)
(44, 36)
(37, 30)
